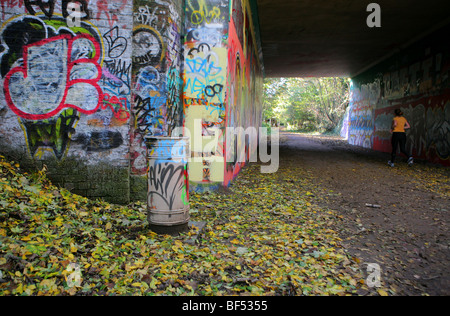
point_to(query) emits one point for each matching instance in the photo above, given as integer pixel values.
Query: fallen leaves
(265, 238)
(407, 235)
(278, 242)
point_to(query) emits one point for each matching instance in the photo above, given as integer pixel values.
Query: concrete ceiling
(318, 38)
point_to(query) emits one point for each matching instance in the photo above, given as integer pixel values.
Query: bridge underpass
(388, 218)
(402, 64)
(138, 90)
(203, 64)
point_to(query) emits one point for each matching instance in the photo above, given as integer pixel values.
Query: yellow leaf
(19, 289)
(154, 283)
(59, 221)
(108, 226)
(30, 289)
(137, 284)
(235, 241)
(382, 293)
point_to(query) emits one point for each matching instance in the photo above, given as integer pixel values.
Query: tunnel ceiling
(316, 38)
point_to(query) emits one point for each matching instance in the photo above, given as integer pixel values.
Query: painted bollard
(168, 184)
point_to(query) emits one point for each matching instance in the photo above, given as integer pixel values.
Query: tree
(305, 104)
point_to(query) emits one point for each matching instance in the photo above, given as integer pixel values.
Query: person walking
(399, 127)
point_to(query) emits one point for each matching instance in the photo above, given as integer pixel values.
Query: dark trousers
(398, 139)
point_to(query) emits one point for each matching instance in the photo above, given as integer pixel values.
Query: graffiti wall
(222, 87)
(245, 86)
(66, 88)
(86, 94)
(83, 82)
(363, 101)
(417, 81)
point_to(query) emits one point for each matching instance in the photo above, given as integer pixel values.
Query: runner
(399, 127)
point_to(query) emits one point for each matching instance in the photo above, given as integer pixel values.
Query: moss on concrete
(138, 188)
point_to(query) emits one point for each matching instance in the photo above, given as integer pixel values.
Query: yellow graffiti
(203, 13)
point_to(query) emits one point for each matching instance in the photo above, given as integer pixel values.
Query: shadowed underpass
(407, 235)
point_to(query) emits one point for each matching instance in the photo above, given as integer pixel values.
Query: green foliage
(314, 104)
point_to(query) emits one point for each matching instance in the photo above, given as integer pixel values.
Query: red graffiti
(9, 4)
(57, 73)
(110, 10)
(117, 106)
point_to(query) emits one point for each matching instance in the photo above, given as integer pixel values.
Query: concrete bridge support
(80, 91)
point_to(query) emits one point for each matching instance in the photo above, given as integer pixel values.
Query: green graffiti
(184, 197)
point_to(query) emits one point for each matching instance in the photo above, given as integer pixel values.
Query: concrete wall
(416, 80)
(81, 99)
(66, 96)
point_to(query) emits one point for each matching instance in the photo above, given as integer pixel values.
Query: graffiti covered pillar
(223, 88)
(157, 60)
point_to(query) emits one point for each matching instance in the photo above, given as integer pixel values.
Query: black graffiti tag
(117, 44)
(48, 7)
(148, 47)
(166, 180)
(214, 90)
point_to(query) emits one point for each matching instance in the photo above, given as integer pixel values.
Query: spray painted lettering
(55, 70)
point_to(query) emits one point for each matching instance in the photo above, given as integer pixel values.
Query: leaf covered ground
(264, 236)
(407, 235)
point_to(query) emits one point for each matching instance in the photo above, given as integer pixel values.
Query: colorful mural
(222, 89)
(156, 45)
(56, 74)
(90, 93)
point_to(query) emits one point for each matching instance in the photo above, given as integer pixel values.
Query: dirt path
(408, 236)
